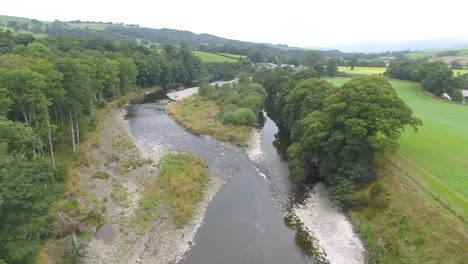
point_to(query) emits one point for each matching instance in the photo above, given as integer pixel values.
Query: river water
(245, 222)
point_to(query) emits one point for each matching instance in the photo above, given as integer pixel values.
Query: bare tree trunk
(77, 128)
(51, 146)
(24, 114)
(72, 131)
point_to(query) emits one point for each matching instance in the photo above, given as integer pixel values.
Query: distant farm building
(288, 66)
(270, 66)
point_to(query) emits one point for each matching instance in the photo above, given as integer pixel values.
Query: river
(245, 222)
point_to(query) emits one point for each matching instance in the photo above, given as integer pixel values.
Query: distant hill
(148, 36)
(420, 45)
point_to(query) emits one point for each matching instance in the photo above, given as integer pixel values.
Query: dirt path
(126, 166)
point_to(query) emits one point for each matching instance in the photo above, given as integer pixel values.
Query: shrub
(242, 116)
(379, 196)
(376, 190)
(101, 175)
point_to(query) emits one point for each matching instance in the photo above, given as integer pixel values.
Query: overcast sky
(312, 23)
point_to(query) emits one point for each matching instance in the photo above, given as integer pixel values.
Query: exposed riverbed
(244, 223)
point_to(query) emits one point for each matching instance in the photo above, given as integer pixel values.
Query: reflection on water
(105, 232)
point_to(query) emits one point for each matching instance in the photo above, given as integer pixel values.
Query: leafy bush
(242, 116)
(376, 190)
(101, 175)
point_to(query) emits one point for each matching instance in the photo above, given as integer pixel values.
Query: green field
(213, 57)
(234, 56)
(460, 71)
(376, 70)
(362, 70)
(95, 26)
(438, 154)
(420, 55)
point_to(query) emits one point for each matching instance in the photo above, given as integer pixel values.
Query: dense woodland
(50, 89)
(338, 134)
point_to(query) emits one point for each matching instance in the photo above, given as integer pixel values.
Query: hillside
(146, 36)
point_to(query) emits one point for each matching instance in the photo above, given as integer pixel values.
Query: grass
(234, 56)
(460, 71)
(182, 181)
(414, 228)
(147, 206)
(213, 57)
(427, 186)
(420, 55)
(197, 115)
(363, 70)
(438, 154)
(95, 26)
(377, 70)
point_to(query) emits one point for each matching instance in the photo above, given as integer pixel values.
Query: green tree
(455, 65)
(339, 138)
(332, 67)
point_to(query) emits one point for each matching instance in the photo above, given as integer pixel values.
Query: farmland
(420, 55)
(437, 155)
(377, 70)
(424, 178)
(362, 70)
(213, 57)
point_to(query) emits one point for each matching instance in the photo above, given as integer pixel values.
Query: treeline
(240, 102)
(435, 76)
(49, 91)
(337, 133)
(228, 70)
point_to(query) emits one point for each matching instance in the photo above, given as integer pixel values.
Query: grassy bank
(426, 184)
(198, 115)
(182, 180)
(414, 228)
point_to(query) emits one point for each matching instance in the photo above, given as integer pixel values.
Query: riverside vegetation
(226, 113)
(53, 93)
(398, 216)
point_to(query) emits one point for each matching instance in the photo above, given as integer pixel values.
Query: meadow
(234, 56)
(362, 70)
(437, 154)
(426, 183)
(377, 70)
(213, 57)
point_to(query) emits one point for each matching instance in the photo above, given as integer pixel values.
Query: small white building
(465, 96)
(270, 66)
(446, 96)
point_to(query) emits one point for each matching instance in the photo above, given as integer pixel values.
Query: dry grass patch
(182, 181)
(198, 115)
(414, 228)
